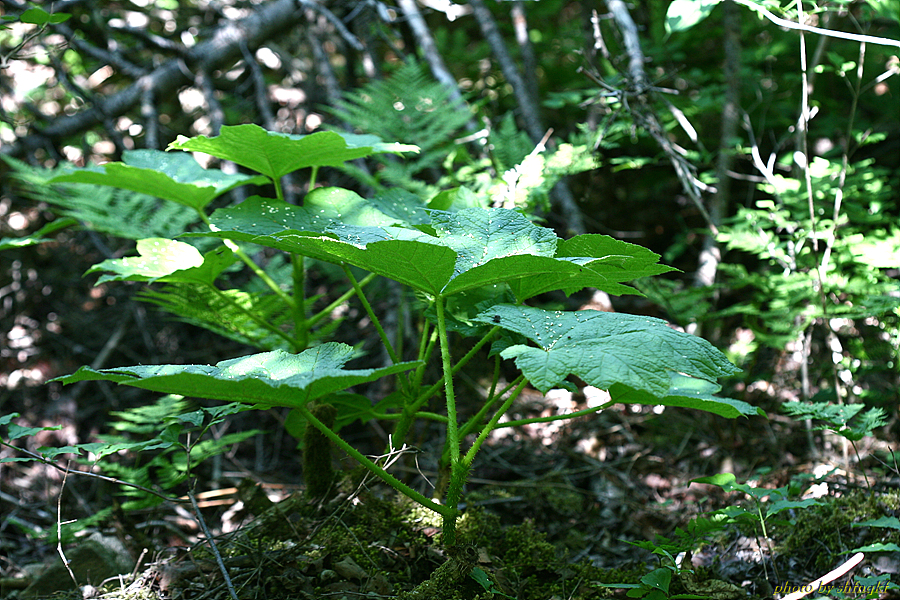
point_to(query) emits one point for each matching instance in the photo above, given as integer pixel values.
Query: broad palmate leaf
(638, 359)
(468, 249)
(275, 378)
(167, 175)
(276, 154)
(257, 217)
(161, 259)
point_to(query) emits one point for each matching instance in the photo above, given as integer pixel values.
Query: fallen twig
(827, 578)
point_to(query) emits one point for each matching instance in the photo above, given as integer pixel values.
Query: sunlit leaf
(468, 249)
(38, 236)
(171, 176)
(638, 359)
(886, 522)
(684, 14)
(38, 16)
(277, 154)
(158, 257)
(274, 378)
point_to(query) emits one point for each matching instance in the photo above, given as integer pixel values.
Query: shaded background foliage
(117, 76)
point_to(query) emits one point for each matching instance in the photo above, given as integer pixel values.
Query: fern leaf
(256, 319)
(120, 213)
(409, 107)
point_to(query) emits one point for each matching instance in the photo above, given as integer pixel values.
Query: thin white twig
(827, 578)
(855, 37)
(59, 548)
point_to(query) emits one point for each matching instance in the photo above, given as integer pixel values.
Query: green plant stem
(425, 342)
(444, 511)
(371, 313)
(572, 415)
(478, 418)
(858, 460)
(262, 323)
(410, 404)
(313, 320)
(314, 173)
(492, 424)
(279, 192)
(419, 415)
(458, 471)
(462, 362)
(496, 377)
(231, 245)
(762, 519)
(450, 398)
(301, 324)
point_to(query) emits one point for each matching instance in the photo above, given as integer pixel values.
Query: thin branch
(66, 471)
(115, 59)
(260, 91)
(529, 109)
(720, 202)
(854, 37)
(629, 32)
(59, 548)
(642, 113)
(530, 116)
(152, 39)
(428, 47)
(351, 39)
(219, 51)
(151, 119)
(214, 109)
(529, 62)
(212, 545)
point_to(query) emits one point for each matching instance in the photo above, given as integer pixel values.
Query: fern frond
(407, 107)
(509, 145)
(256, 319)
(117, 212)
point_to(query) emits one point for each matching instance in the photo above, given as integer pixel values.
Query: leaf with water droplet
(267, 221)
(456, 252)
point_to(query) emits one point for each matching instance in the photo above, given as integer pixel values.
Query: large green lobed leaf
(161, 259)
(276, 154)
(171, 176)
(275, 378)
(638, 359)
(684, 14)
(456, 252)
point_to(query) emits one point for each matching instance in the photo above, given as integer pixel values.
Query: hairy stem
(487, 429)
(444, 511)
(288, 301)
(301, 325)
(371, 313)
(452, 425)
(339, 300)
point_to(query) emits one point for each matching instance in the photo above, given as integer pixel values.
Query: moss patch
(823, 532)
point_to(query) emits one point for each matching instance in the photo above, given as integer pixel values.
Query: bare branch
(219, 51)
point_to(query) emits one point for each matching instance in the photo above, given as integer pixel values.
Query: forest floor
(552, 511)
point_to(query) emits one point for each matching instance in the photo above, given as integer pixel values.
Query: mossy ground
(825, 532)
